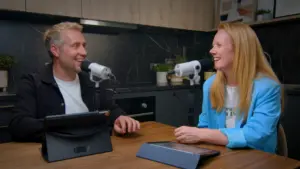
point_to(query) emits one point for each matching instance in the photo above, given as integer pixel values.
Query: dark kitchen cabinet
(7, 102)
(178, 107)
(290, 122)
(175, 105)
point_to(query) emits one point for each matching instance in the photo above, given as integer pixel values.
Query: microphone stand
(97, 82)
(97, 99)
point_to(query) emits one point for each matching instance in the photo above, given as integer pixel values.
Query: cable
(268, 55)
(281, 65)
(32, 27)
(158, 44)
(282, 70)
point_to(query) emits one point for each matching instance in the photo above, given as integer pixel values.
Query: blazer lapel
(221, 119)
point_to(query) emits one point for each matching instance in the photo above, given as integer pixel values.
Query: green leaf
(180, 59)
(6, 62)
(162, 67)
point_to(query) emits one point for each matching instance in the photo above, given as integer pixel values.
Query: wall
(128, 54)
(282, 42)
(265, 4)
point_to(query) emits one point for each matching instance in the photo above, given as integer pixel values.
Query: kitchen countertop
(6, 94)
(130, 89)
(291, 89)
(153, 87)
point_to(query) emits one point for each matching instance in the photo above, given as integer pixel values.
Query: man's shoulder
(32, 76)
(36, 77)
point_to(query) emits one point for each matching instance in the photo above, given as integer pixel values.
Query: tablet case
(68, 141)
(175, 154)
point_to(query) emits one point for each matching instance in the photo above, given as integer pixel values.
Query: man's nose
(82, 51)
(212, 51)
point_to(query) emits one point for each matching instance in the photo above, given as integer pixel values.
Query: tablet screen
(185, 148)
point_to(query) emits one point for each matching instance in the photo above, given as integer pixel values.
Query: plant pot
(176, 80)
(267, 16)
(3, 78)
(260, 17)
(161, 78)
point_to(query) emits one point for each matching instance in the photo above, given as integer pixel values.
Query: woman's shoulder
(208, 82)
(263, 83)
(260, 83)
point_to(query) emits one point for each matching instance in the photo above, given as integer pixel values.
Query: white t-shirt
(71, 93)
(231, 102)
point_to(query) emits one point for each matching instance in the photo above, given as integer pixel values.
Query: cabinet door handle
(7, 106)
(3, 127)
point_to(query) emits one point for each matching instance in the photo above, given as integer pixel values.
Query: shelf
(267, 22)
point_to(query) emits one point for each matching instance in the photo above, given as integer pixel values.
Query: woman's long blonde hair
(248, 61)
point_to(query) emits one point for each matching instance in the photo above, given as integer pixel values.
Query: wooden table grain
(27, 155)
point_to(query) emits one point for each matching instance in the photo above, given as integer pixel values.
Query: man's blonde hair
(52, 35)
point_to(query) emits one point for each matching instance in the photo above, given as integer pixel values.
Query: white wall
(262, 4)
(265, 4)
(287, 7)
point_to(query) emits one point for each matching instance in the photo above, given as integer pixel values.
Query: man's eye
(217, 45)
(75, 45)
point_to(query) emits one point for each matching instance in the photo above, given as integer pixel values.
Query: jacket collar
(47, 74)
(84, 79)
(48, 77)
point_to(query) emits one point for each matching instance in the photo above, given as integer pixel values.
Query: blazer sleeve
(263, 122)
(24, 125)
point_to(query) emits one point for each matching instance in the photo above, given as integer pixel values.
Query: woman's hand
(191, 135)
(186, 134)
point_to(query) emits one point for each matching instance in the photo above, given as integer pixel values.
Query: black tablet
(75, 120)
(74, 135)
(203, 152)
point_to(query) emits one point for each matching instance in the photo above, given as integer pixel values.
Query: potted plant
(180, 59)
(6, 62)
(176, 79)
(161, 72)
(263, 14)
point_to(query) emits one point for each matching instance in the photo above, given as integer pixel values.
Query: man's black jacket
(39, 96)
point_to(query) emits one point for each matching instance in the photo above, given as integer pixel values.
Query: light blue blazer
(260, 130)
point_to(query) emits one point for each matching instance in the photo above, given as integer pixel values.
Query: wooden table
(27, 155)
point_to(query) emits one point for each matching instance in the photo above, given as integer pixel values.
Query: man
(61, 88)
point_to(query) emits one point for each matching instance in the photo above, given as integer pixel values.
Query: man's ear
(54, 50)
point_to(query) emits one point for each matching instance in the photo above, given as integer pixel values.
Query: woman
(242, 101)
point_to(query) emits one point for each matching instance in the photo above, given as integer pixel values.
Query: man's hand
(186, 134)
(125, 124)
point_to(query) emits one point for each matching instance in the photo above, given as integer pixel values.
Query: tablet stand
(172, 156)
(71, 140)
